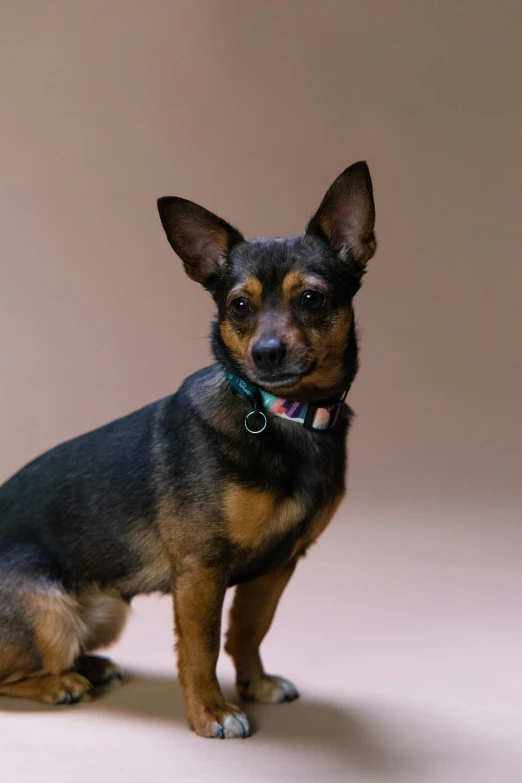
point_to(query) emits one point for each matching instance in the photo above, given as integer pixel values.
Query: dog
(225, 483)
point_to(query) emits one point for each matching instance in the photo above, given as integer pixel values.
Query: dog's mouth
(282, 380)
(279, 381)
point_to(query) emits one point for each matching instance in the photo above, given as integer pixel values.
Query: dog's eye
(312, 300)
(240, 306)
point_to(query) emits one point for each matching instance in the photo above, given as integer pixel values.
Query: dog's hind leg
(104, 615)
(41, 633)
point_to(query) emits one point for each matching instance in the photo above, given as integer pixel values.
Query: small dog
(226, 482)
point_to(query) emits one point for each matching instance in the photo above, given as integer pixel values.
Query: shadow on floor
(348, 739)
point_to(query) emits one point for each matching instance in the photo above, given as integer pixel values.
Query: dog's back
(67, 512)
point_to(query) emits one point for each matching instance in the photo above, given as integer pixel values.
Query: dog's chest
(284, 504)
(279, 541)
(255, 517)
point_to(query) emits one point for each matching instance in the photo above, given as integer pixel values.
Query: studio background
(401, 629)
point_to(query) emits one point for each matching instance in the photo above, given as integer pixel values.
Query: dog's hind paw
(99, 671)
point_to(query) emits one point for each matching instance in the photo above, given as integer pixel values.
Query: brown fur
(292, 283)
(236, 342)
(327, 348)
(252, 289)
(198, 597)
(297, 282)
(104, 616)
(58, 627)
(14, 661)
(177, 497)
(64, 626)
(317, 526)
(50, 689)
(251, 616)
(255, 517)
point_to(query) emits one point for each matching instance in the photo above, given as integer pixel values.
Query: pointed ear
(346, 216)
(201, 239)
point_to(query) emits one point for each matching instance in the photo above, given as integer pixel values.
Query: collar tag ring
(255, 413)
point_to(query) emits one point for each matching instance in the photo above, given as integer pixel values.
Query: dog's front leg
(252, 613)
(199, 592)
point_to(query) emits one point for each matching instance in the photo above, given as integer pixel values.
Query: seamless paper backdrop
(252, 109)
(402, 628)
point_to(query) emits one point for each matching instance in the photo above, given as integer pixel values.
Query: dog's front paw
(270, 690)
(224, 721)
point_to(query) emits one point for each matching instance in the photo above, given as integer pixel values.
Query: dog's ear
(201, 239)
(346, 216)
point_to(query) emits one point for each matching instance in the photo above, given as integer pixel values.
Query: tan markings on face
(252, 289)
(325, 348)
(296, 282)
(292, 283)
(236, 342)
(329, 349)
(254, 517)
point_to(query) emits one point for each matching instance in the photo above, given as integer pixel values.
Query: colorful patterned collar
(312, 417)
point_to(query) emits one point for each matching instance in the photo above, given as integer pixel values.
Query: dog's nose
(268, 354)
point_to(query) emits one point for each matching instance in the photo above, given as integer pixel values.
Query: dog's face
(284, 305)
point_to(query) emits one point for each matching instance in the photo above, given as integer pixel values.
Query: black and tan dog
(227, 482)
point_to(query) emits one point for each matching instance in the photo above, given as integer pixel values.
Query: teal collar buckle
(312, 417)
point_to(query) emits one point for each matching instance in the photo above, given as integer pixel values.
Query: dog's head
(284, 305)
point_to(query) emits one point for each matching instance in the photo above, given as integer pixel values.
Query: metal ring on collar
(255, 413)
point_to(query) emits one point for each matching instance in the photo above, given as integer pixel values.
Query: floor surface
(401, 630)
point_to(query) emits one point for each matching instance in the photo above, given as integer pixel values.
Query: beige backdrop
(252, 108)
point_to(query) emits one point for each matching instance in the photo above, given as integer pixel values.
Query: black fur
(123, 508)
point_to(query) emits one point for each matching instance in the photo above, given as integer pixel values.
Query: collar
(312, 417)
